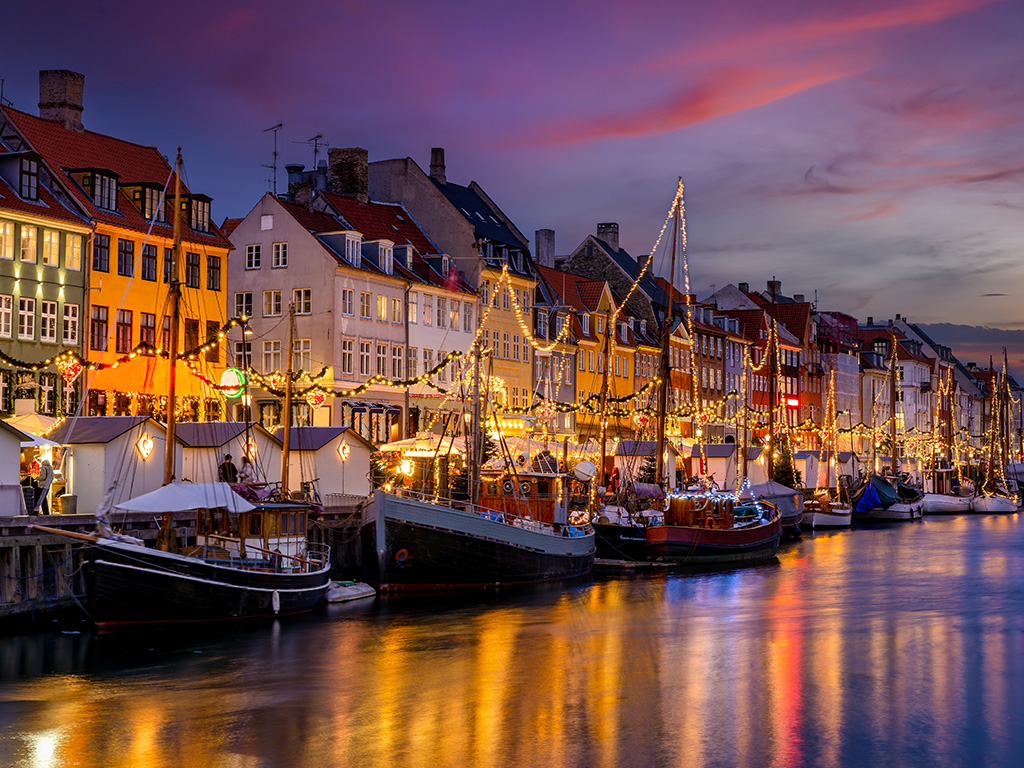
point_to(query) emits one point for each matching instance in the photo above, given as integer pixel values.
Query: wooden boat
(418, 544)
(946, 504)
(265, 569)
(712, 530)
(990, 502)
(825, 512)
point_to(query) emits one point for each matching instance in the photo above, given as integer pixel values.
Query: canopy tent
(36, 423)
(182, 497)
(37, 441)
(426, 445)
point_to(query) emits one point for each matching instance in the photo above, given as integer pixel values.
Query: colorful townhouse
(126, 193)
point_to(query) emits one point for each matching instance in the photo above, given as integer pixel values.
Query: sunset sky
(870, 153)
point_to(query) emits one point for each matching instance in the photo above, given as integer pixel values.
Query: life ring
(400, 557)
(507, 486)
(709, 522)
(525, 487)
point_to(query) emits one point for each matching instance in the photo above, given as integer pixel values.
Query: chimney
(437, 170)
(609, 232)
(300, 190)
(744, 287)
(545, 248)
(60, 97)
(642, 261)
(871, 320)
(321, 175)
(775, 287)
(349, 172)
(798, 298)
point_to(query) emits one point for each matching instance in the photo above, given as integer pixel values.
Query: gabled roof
(228, 226)
(313, 222)
(212, 434)
(381, 221)
(485, 224)
(795, 316)
(96, 429)
(48, 205)
(64, 150)
(580, 293)
(315, 438)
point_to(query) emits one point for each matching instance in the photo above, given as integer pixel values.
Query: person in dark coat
(228, 471)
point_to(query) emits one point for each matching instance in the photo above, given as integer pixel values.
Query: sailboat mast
(893, 461)
(477, 450)
(174, 296)
(746, 412)
(666, 340)
(286, 419)
(604, 397)
(772, 395)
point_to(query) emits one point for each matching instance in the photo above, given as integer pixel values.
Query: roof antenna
(316, 142)
(4, 102)
(275, 129)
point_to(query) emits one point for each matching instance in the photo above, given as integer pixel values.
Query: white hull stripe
(210, 581)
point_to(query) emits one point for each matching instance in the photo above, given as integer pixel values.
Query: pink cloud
(882, 209)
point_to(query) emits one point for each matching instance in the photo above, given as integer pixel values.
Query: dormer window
(446, 266)
(387, 258)
(29, 185)
(200, 214)
(585, 324)
(104, 191)
(148, 201)
(643, 327)
(353, 248)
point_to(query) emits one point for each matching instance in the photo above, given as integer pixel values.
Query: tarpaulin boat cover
(875, 493)
(182, 497)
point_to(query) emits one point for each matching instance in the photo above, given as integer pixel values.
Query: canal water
(895, 646)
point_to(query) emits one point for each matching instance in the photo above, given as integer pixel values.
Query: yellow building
(127, 190)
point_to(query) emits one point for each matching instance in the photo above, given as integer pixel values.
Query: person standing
(246, 474)
(44, 480)
(228, 471)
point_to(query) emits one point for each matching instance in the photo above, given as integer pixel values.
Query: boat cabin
(268, 529)
(539, 496)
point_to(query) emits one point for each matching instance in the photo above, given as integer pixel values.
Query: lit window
(280, 255)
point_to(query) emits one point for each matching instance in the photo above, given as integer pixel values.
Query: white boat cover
(181, 497)
(789, 501)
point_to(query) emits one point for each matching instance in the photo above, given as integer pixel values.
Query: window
(582, 362)
(515, 347)
(411, 362)
(123, 331)
(104, 192)
(191, 334)
(26, 318)
(301, 355)
(252, 256)
(618, 365)
(213, 273)
(147, 328)
(364, 358)
(7, 240)
(125, 257)
(200, 219)
(590, 361)
(165, 333)
(442, 312)
(29, 179)
(442, 374)
(505, 298)
(428, 309)
(542, 325)
(303, 299)
(467, 317)
(191, 270)
(353, 251)
(396, 310)
(387, 259)
(6, 315)
(347, 353)
(382, 308)
(29, 241)
(48, 321)
(266, 222)
(382, 359)
(271, 303)
(504, 347)
(397, 354)
(271, 356)
(170, 268)
(455, 315)
(98, 329)
(51, 248)
(212, 334)
(428, 360)
(485, 292)
(243, 304)
(347, 298)
(152, 204)
(365, 300)
(280, 256)
(413, 307)
(70, 323)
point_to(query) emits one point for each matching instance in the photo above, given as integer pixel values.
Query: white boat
(824, 513)
(878, 501)
(995, 503)
(946, 504)
(347, 591)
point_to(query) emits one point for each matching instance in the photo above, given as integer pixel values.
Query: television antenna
(273, 167)
(317, 142)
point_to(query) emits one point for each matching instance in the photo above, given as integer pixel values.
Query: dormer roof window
(446, 266)
(199, 213)
(28, 186)
(387, 258)
(101, 186)
(147, 198)
(353, 248)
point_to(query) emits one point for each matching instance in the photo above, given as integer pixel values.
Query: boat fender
(709, 522)
(275, 602)
(507, 486)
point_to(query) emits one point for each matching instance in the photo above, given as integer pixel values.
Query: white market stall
(337, 458)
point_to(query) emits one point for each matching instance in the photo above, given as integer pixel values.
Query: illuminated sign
(344, 451)
(145, 445)
(232, 383)
(792, 402)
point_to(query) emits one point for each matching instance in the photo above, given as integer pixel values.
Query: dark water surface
(900, 646)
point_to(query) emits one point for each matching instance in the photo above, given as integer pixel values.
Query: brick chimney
(775, 287)
(744, 287)
(798, 298)
(349, 169)
(609, 232)
(60, 97)
(437, 168)
(545, 248)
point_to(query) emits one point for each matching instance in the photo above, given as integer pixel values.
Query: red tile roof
(582, 293)
(796, 317)
(228, 226)
(382, 221)
(64, 150)
(47, 206)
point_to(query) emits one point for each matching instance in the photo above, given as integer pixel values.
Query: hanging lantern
(316, 398)
(69, 370)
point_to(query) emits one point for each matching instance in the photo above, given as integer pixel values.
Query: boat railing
(498, 515)
(313, 559)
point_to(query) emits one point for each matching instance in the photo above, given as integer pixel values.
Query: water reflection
(896, 646)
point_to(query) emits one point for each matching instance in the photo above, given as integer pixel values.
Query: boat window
(272, 524)
(255, 525)
(300, 523)
(233, 526)
(287, 523)
(543, 487)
